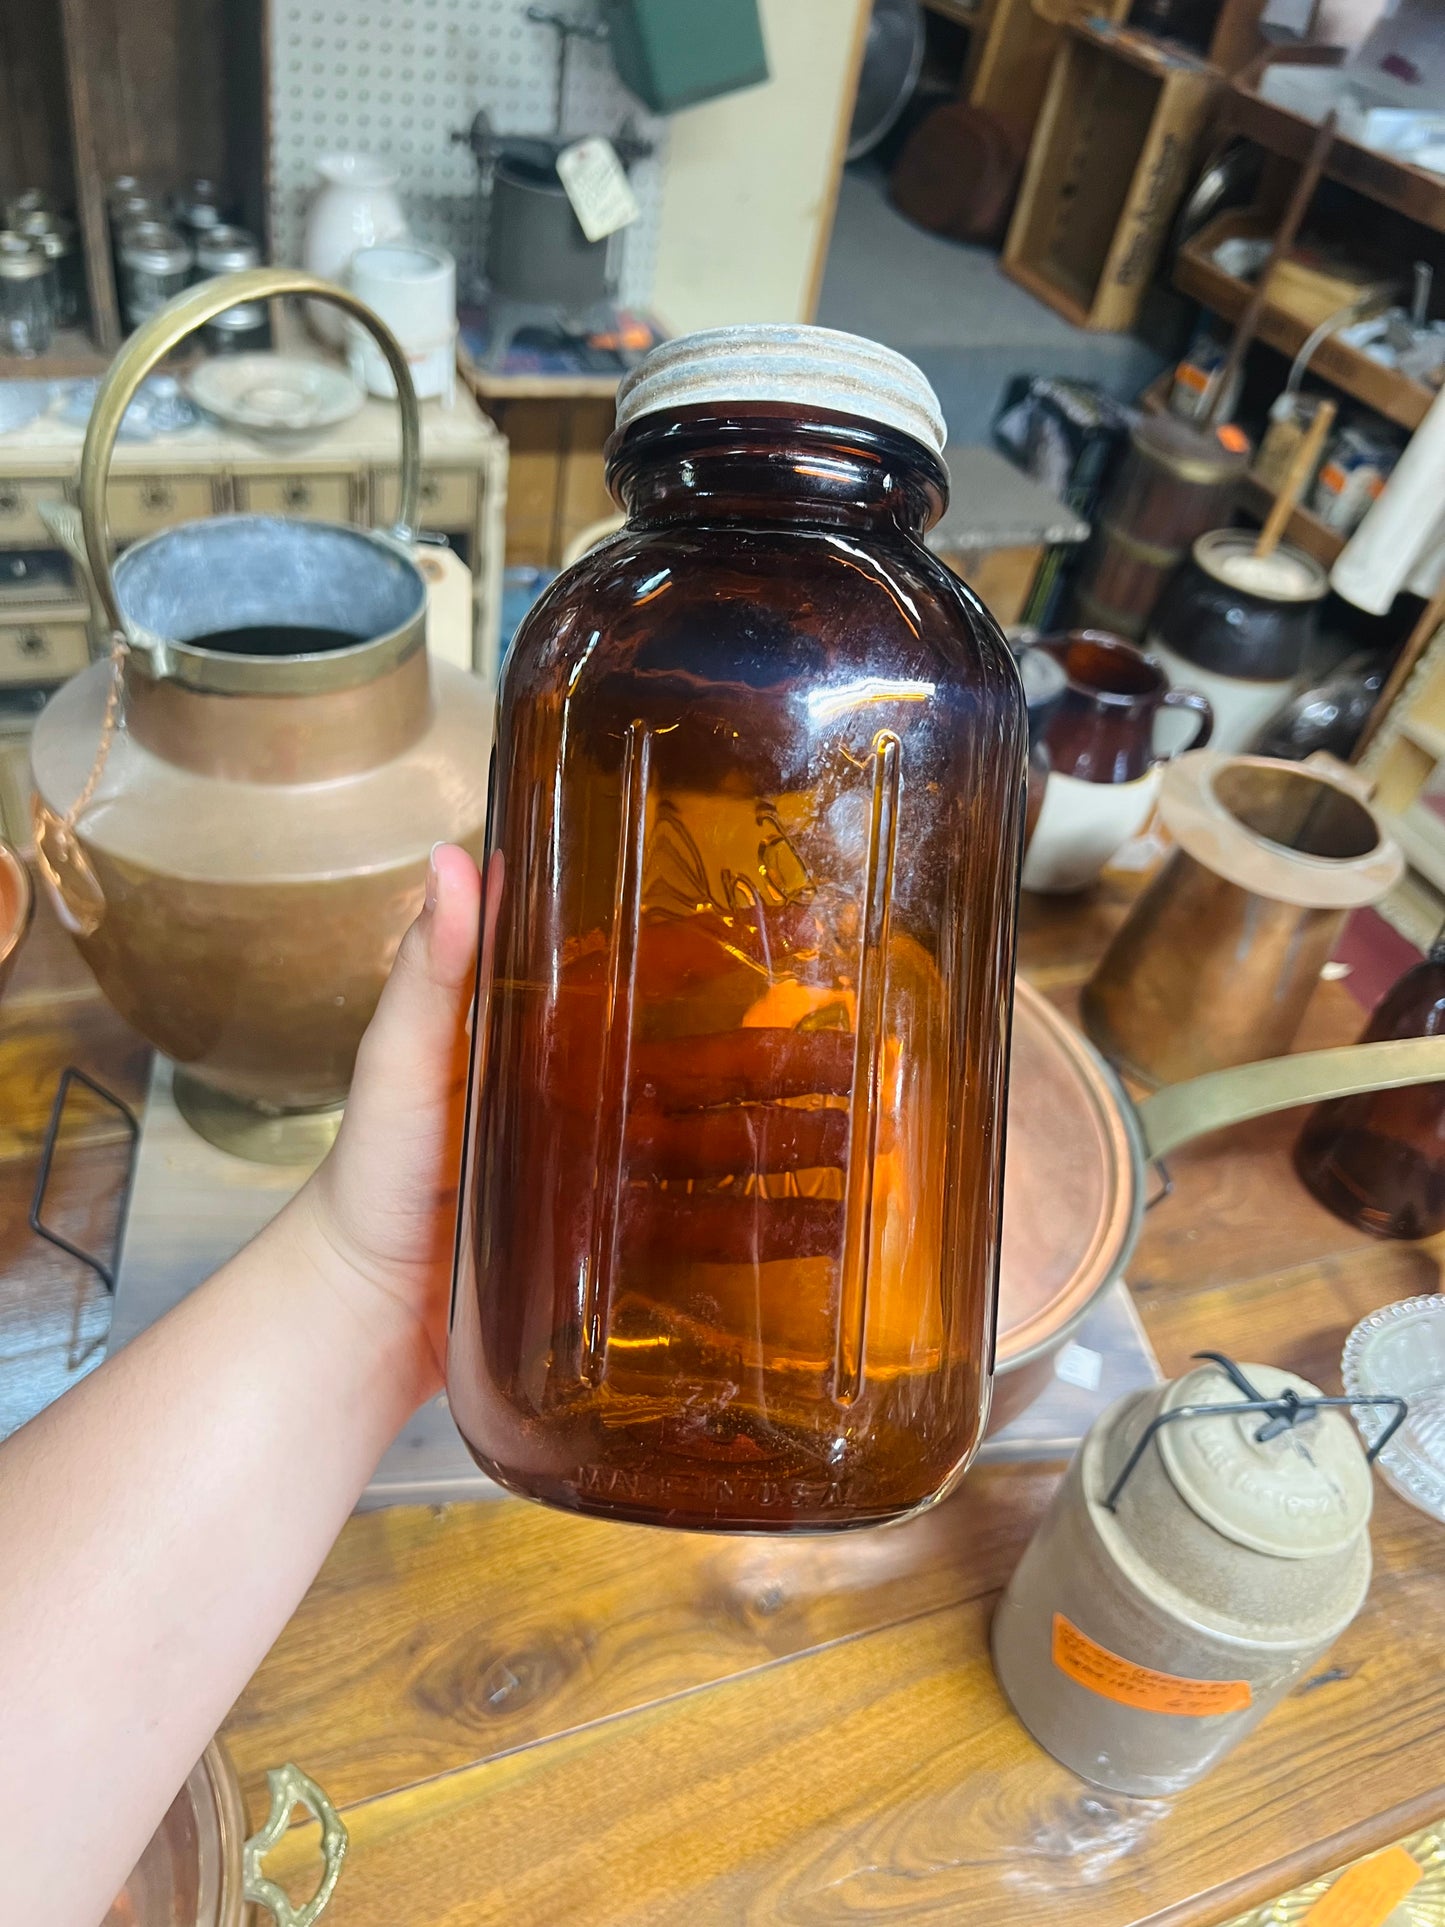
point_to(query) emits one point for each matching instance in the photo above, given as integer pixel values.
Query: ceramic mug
(1104, 763)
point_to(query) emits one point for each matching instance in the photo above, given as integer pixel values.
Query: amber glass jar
(1378, 1160)
(731, 1213)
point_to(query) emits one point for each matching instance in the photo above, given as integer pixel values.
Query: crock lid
(1303, 1493)
(1202, 455)
(796, 366)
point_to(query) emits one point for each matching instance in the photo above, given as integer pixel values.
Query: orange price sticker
(1122, 1680)
(1368, 1893)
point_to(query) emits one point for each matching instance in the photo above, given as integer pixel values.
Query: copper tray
(1075, 1173)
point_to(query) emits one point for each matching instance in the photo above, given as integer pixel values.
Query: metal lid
(21, 206)
(37, 221)
(225, 250)
(797, 367)
(20, 259)
(54, 244)
(1305, 1492)
(1203, 455)
(156, 248)
(130, 208)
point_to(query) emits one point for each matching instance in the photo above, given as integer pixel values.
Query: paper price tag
(598, 187)
(1366, 1894)
(1129, 1684)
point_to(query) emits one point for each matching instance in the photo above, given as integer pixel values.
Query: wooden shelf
(1411, 191)
(1389, 393)
(1304, 529)
(73, 353)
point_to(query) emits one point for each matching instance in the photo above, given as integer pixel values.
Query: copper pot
(17, 906)
(1219, 957)
(200, 1869)
(1075, 1177)
(238, 859)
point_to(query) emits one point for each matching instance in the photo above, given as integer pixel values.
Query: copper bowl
(1075, 1177)
(17, 907)
(1072, 1196)
(200, 1869)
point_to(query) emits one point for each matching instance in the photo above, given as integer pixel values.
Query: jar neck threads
(753, 462)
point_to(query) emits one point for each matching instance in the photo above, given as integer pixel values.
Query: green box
(675, 53)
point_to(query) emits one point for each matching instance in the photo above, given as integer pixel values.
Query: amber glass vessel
(1378, 1160)
(731, 1215)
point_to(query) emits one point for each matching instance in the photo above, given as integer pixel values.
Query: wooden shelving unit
(163, 89)
(1304, 529)
(1113, 146)
(1410, 191)
(1388, 392)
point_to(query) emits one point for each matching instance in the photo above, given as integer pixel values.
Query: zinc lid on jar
(155, 248)
(1305, 1492)
(226, 250)
(796, 366)
(20, 259)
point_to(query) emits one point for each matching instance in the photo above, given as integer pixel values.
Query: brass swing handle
(290, 1787)
(1179, 1112)
(150, 345)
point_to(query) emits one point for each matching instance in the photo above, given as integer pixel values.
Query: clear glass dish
(1400, 1349)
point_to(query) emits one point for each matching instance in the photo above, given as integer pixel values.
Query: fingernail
(430, 901)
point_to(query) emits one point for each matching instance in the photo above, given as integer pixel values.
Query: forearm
(157, 1528)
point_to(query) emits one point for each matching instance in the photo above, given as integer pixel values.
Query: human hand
(378, 1217)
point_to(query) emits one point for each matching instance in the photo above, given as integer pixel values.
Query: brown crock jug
(731, 1212)
(233, 814)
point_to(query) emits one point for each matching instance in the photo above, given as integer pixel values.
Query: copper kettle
(233, 814)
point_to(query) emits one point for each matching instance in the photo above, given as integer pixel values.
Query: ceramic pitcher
(1104, 761)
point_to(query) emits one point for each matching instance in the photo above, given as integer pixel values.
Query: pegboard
(393, 78)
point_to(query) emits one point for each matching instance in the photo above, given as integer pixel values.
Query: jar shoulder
(708, 600)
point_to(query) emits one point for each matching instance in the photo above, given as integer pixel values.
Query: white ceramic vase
(355, 207)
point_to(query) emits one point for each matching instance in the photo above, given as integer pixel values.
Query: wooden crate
(1111, 158)
(1009, 74)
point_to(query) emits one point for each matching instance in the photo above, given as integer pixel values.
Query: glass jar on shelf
(27, 298)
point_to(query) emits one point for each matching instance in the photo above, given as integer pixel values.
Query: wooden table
(550, 1722)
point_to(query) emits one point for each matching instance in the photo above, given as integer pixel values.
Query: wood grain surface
(542, 1720)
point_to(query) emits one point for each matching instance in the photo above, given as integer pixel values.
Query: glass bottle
(27, 298)
(730, 1221)
(1378, 1160)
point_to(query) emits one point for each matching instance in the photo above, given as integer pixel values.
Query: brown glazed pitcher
(1103, 760)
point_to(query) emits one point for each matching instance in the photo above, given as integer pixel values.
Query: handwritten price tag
(597, 186)
(1129, 1684)
(1366, 1894)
